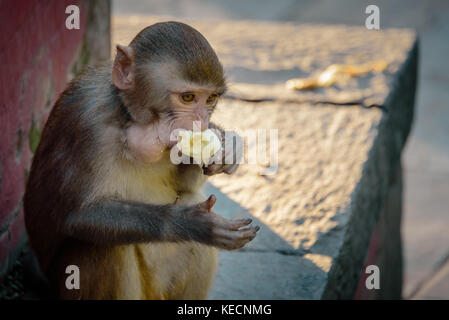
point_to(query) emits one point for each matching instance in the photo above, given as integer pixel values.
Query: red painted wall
(372, 258)
(36, 56)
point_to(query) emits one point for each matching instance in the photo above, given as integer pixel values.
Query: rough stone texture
(336, 162)
(268, 267)
(259, 56)
(40, 55)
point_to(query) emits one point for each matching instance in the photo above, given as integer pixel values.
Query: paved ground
(426, 160)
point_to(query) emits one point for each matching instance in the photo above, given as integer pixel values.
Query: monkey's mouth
(200, 146)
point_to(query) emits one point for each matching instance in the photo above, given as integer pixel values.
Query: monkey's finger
(209, 203)
(212, 169)
(237, 224)
(249, 232)
(232, 245)
(230, 169)
(217, 133)
(232, 240)
(237, 235)
(222, 223)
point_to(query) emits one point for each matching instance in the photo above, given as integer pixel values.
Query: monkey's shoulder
(88, 94)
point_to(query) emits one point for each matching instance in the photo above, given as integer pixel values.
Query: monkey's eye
(187, 97)
(212, 99)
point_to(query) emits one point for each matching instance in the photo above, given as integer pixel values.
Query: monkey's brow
(192, 90)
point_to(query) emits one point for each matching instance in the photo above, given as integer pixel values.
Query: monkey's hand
(212, 229)
(228, 160)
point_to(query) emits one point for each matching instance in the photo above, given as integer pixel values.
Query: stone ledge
(335, 167)
(266, 275)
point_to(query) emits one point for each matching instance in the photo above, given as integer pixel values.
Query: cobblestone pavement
(426, 160)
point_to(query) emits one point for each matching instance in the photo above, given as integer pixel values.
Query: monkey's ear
(123, 68)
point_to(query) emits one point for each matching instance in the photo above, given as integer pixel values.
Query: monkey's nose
(204, 124)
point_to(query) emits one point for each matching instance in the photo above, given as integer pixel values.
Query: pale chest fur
(161, 270)
(159, 183)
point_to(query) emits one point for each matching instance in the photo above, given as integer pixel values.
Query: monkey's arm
(115, 222)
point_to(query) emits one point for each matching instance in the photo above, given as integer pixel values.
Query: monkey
(102, 193)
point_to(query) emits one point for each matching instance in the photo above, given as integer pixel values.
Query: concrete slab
(267, 239)
(267, 275)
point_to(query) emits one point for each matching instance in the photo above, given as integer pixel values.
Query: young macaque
(103, 193)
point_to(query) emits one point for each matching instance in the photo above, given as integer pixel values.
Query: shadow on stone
(267, 268)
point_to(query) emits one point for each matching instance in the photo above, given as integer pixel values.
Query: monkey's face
(181, 105)
(190, 108)
(169, 79)
(177, 102)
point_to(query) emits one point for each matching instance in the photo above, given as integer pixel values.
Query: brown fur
(137, 271)
(89, 204)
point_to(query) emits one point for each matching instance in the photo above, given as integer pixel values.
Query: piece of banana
(200, 145)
